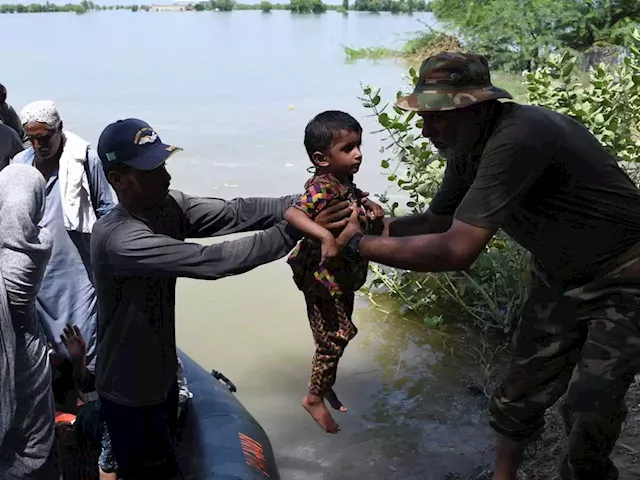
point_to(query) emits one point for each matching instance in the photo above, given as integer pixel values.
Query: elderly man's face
(455, 132)
(46, 141)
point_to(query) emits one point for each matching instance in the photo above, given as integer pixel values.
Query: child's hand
(374, 211)
(76, 346)
(329, 249)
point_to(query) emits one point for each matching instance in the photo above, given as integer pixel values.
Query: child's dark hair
(321, 130)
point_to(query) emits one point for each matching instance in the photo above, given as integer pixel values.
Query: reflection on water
(410, 415)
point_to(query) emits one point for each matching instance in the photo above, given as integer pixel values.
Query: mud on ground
(542, 456)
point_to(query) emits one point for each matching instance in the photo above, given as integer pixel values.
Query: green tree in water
(266, 6)
(225, 5)
(307, 6)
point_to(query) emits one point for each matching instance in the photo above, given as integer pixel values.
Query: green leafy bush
(608, 104)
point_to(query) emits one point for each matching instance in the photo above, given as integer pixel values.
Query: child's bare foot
(333, 400)
(320, 413)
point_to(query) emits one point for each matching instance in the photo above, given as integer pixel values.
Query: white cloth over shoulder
(75, 193)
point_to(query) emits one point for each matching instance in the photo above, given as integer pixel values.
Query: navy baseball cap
(134, 143)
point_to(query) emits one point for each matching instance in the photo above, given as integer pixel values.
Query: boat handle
(220, 376)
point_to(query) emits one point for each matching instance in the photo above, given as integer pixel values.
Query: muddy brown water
(409, 415)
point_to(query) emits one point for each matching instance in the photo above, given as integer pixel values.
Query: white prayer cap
(42, 111)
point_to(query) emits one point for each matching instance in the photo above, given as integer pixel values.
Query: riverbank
(542, 456)
(422, 45)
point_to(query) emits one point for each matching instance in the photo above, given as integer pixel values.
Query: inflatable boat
(217, 437)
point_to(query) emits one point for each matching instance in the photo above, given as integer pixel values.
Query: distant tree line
(295, 6)
(83, 7)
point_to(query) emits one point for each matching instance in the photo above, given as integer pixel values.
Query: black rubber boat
(219, 438)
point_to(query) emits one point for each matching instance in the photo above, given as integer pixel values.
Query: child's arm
(374, 211)
(301, 221)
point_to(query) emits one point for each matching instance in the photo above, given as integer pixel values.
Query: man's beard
(449, 152)
(460, 149)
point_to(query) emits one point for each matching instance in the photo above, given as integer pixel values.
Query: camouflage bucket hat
(451, 80)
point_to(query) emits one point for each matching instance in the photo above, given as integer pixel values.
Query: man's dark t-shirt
(10, 145)
(136, 263)
(10, 118)
(549, 184)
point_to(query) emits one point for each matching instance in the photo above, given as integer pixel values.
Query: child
(332, 140)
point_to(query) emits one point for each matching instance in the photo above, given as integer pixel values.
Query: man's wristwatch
(352, 248)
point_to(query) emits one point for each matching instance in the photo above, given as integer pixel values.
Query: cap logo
(145, 135)
(111, 156)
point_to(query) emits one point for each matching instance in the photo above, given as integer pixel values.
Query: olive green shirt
(546, 181)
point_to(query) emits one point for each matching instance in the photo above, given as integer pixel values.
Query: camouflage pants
(586, 345)
(330, 320)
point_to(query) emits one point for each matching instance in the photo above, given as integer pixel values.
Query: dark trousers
(586, 345)
(143, 438)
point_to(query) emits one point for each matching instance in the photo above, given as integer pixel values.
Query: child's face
(344, 157)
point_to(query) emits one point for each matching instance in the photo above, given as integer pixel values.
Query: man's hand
(334, 216)
(353, 227)
(329, 250)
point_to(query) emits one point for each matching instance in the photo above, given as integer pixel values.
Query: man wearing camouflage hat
(547, 182)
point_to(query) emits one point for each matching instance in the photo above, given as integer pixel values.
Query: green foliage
(589, 22)
(46, 8)
(422, 46)
(368, 52)
(345, 4)
(225, 5)
(609, 104)
(394, 6)
(519, 34)
(266, 6)
(307, 6)
(134, 8)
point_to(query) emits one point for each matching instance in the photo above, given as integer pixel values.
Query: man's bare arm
(455, 249)
(419, 224)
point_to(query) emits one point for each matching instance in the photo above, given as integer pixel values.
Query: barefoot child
(332, 140)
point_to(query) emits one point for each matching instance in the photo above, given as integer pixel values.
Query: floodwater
(235, 90)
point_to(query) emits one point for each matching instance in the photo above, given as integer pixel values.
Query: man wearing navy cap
(138, 251)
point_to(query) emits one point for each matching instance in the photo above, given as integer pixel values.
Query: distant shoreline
(406, 7)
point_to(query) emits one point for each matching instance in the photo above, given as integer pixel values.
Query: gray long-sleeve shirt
(136, 263)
